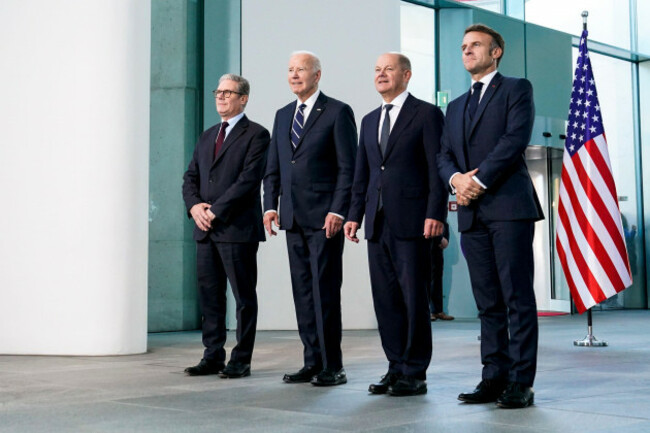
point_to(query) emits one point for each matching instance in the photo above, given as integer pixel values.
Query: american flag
(590, 242)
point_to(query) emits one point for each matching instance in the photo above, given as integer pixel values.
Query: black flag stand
(589, 340)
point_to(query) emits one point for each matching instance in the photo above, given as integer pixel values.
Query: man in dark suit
(221, 190)
(482, 160)
(309, 170)
(397, 188)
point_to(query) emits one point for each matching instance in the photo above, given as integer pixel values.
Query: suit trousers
(217, 263)
(499, 255)
(399, 279)
(316, 276)
(435, 284)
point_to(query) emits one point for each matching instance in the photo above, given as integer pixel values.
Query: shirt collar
(486, 79)
(310, 101)
(398, 100)
(233, 120)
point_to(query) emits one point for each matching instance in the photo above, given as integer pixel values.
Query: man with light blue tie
(309, 175)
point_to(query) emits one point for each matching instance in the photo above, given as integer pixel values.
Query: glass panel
(491, 5)
(417, 33)
(643, 30)
(609, 20)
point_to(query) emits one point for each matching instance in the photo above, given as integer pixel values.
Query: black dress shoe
(205, 367)
(303, 375)
(381, 387)
(329, 377)
(407, 385)
(236, 369)
(516, 395)
(487, 391)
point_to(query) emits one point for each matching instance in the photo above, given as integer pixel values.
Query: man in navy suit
(309, 171)
(221, 191)
(482, 160)
(397, 188)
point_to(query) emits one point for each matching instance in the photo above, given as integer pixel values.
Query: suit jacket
(494, 142)
(230, 183)
(406, 176)
(315, 178)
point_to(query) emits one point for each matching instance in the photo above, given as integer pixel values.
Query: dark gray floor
(577, 389)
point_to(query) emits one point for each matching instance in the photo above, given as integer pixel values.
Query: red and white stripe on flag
(590, 241)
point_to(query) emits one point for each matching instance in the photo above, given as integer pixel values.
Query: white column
(74, 168)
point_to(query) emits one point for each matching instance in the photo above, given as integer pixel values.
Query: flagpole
(589, 340)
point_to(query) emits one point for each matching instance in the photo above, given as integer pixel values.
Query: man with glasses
(309, 172)
(221, 191)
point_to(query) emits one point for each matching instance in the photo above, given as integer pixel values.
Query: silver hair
(315, 61)
(243, 86)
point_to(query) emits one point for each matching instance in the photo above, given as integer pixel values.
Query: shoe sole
(234, 376)
(407, 394)
(506, 406)
(286, 380)
(330, 384)
(380, 392)
(476, 402)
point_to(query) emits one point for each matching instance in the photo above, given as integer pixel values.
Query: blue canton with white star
(585, 121)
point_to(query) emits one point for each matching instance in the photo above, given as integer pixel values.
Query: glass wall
(643, 30)
(609, 20)
(418, 41)
(491, 5)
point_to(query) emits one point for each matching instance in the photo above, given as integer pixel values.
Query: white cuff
(335, 214)
(270, 210)
(453, 190)
(477, 180)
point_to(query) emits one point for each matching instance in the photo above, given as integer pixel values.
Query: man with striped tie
(309, 172)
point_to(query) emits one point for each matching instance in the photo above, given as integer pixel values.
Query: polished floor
(577, 389)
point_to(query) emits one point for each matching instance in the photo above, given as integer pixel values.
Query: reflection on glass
(417, 36)
(491, 5)
(609, 20)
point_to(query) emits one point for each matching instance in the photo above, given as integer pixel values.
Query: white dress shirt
(397, 103)
(486, 81)
(309, 104)
(231, 123)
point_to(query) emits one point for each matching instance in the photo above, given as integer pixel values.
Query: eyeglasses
(226, 93)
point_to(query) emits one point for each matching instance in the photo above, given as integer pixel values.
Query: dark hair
(497, 39)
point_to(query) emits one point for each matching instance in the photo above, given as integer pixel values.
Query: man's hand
(432, 228)
(200, 214)
(270, 218)
(350, 230)
(332, 225)
(466, 188)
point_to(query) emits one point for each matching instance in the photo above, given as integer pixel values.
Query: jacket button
(210, 180)
(293, 162)
(382, 168)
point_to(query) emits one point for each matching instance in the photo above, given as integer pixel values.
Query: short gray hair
(243, 85)
(315, 61)
(402, 61)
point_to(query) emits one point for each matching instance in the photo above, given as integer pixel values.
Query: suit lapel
(404, 118)
(373, 140)
(316, 111)
(485, 100)
(237, 130)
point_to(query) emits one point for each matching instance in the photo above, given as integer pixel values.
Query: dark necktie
(298, 123)
(220, 138)
(385, 130)
(474, 99)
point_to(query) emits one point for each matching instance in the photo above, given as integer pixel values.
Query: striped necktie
(298, 123)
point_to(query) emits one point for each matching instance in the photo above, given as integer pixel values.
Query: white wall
(74, 152)
(348, 37)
